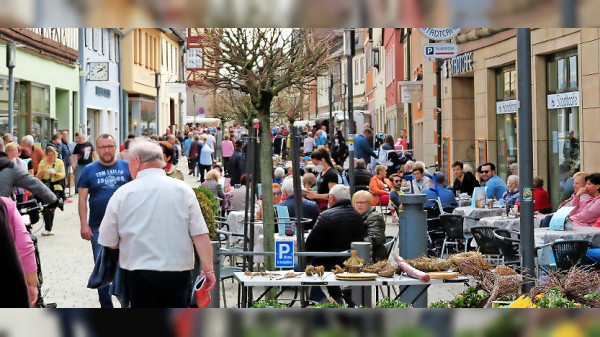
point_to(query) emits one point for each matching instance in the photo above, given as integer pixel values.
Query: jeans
(158, 289)
(104, 291)
(592, 256)
(78, 171)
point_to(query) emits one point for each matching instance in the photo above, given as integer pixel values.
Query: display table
(546, 235)
(473, 215)
(329, 279)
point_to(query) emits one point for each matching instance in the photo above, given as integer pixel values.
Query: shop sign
(440, 50)
(410, 91)
(505, 107)
(439, 34)
(102, 92)
(461, 63)
(563, 100)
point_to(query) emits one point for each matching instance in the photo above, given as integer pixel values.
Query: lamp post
(195, 112)
(349, 53)
(11, 48)
(157, 85)
(331, 108)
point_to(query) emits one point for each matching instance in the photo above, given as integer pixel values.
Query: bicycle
(32, 209)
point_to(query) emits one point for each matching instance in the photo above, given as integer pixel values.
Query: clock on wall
(98, 71)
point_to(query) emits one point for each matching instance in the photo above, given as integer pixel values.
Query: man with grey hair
(30, 151)
(310, 210)
(156, 233)
(334, 231)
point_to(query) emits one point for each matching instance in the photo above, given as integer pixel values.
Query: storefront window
(506, 123)
(563, 129)
(4, 104)
(142, 116)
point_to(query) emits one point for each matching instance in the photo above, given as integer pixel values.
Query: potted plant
(209, 206)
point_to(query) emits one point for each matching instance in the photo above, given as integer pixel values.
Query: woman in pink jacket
(587, 211)
(24, 247)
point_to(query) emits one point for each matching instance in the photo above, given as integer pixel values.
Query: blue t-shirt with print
(101, 182)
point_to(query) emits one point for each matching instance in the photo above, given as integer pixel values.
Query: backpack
(383, 157)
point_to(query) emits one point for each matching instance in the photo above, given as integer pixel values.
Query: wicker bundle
(377, 267)
(456, 259)
(388, 271)
(354, 263)
(476, 267)
(501, 286)
(504, 270)
(430, 264)
(577, 283)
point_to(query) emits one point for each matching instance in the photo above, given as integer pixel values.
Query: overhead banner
(410, 91)
(563, 100)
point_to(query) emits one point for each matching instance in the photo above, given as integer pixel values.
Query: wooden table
(329, 279)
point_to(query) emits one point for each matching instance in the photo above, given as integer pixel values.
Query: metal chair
(509, 246)
(567, 253)
(453, 227)
(226, 272)
(487, 244)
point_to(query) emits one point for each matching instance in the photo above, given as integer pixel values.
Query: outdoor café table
(329, 279)
(463, 202)
(509, 223)
(472, 215)
(546, 235)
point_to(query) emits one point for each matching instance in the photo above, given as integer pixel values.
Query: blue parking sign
(284, 254)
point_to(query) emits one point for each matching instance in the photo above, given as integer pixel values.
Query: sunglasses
(485, 172)
(397, 181)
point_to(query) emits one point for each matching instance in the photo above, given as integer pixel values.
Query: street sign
(439, 34)
(284, 254)
(440, 50)
(201, 111)
(351, 142)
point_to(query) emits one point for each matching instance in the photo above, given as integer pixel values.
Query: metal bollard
(413, 240)
(362, 295)
(215, 294)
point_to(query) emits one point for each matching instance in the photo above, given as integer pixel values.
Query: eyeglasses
(397, 181)
(106, 147)
(360, 202)
(485, 172)
(276, 193)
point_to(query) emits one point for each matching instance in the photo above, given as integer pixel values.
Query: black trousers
(159, 289)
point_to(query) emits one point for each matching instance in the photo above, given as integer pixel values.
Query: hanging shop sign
(506, 107)
(440, 34)
(410, 91)
(461, 63)
(563, 100)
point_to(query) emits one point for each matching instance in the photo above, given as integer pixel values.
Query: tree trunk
(266, 178)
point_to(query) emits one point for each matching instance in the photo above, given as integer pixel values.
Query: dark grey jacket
(375, 233)
(11, 176)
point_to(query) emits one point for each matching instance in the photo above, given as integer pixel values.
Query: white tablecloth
(546, 235)
(509, 223)
(464, 202)
(471, 214)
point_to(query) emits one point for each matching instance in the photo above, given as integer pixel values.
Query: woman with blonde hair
(212, 183)
(51, 171)
(374, 224)
(380, 186)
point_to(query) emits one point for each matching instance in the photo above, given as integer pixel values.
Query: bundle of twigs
(577, 283)
(430, 264)
(377, 267)
(457, 259)
(501, 286)
(476, 267)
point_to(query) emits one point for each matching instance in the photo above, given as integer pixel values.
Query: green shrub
(389, 303)
(268, 304)
(470, 298)
(208, 205)
(440, 304)
(553, 298)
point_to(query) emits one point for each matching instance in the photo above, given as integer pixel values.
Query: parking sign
(284, 254)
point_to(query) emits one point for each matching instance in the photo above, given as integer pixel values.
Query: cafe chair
(487, 244)
(390, 241)
(509, 246)
(567, 253)
(453, 228)
(226, 271)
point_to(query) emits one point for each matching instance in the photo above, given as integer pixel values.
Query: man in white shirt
(156, 233)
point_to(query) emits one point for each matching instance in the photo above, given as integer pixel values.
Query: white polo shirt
(152, 219)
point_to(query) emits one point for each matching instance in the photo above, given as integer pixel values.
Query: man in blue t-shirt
(494, 186)
(446, 196)
(100, 180)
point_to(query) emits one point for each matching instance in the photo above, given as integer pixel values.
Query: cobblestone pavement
(67, 262)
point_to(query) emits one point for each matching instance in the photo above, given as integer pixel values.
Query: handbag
(202, 295)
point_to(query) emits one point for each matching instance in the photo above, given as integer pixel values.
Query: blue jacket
(362, 148)
(495, 187)
(446, 196)
(310, 210)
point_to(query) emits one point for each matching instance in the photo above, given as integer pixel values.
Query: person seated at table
(464, 181)
(238, 197)
(396, 191)
(380, 186)
(578, 183)
(362, 176)
(420, 181)
(335, 230)
(278, 175)
(587, 212)
(511, 197)
(541, 198)
(310, 210)
(212, 183)
(374, 224)
(495, 187)
(446, 196)
(276, 199)
(309, 181)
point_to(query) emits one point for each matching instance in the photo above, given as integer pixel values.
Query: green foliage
(388, 303)
(208, 205)
(594, 296)
(508, 324)
(553, 298)
(440, 304)
(470, 298)
(268, 304)
(328, 305)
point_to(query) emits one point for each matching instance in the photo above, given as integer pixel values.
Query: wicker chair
(453, 226)
(487, 244)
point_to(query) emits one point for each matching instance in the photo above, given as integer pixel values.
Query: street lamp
(11, 49)
(194, 99)
(157, 86)
(331, 107)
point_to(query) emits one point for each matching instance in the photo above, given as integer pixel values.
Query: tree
(232, 105)
(262, 63)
